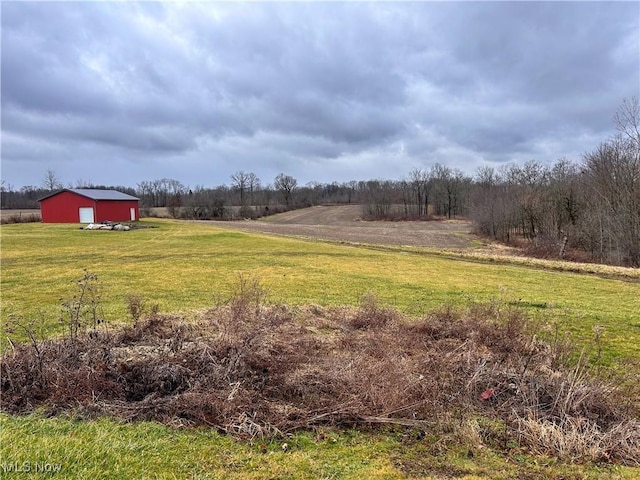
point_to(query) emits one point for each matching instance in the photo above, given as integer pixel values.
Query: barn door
(86, 215)
(133, 214)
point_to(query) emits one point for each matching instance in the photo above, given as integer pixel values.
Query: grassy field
(187, 266)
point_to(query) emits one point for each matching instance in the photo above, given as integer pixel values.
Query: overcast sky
(116, 93)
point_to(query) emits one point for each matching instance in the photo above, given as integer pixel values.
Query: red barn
(86, 205)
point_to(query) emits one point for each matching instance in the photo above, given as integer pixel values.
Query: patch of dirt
(342, 223)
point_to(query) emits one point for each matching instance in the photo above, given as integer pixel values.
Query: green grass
(188, 266)
(109, 449)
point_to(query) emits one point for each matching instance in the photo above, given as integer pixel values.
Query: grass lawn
(188, 266)
(108, 449)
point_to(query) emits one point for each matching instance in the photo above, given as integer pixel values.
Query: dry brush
(248, 369)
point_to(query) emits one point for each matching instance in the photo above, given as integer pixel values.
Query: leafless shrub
(84, 308)
(136, 305)
(371, 315)
(247, 296)
(252, 370)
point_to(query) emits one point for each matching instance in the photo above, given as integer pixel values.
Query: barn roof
(95, 194)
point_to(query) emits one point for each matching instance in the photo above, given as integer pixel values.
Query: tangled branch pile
(249, 370)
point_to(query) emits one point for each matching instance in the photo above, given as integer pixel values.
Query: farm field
(342, 223)
(190, 266)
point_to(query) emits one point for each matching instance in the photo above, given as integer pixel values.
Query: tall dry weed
(250, 369)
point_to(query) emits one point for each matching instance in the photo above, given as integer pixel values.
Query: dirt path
(342, 223)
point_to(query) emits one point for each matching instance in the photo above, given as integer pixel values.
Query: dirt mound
(252, 370)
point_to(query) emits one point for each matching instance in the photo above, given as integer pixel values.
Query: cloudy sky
(116, 93)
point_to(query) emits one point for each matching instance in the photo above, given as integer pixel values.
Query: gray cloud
(122, 92)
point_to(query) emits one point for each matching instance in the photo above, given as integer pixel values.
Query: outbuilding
(88, 205)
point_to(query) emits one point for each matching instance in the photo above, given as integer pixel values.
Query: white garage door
(86, 215)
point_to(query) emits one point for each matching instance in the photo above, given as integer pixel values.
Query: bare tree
(352, 187)
(314, 192)
(420, 184)
(51, 181)
(164, 192)
(240, 181)
(175, 193)
(613, 179)
(286, 185)
(485, 200)
(253, 182)
(449, 185)
(627, 120)
(205, 204)
(378, 198)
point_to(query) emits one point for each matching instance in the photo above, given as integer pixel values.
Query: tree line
(589, 208)
(439, 191)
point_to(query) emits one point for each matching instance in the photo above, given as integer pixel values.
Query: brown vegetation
(343, 223)
(20, 216)
(249, 370)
